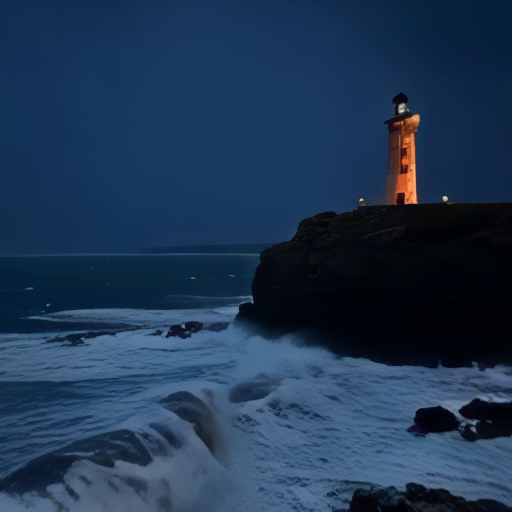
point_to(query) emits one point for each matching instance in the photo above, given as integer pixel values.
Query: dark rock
(158, 332)
(246, 311)
(414, 429)
(193, 326)
(378, 500)
(192, 409)
(217, 326)
(184, 335)
(469, 434)
(491, 430)
(364, 501)
(435, 419)
(174, 331)
(417, 498)
(481, 410)
(439, 271)
(103, 449)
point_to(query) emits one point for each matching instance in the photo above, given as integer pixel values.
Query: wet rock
(103, 449)
(192, 409)
(193, 326)
(490, 430)
(469, 434)
(435, 419)
(174, 331)
(184, 335)
(481, 410)
(378, 500)
(417, 498)
(495, 419)
(246, 311)
(158, 332)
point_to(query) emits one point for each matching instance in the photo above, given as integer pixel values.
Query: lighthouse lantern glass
(401, 108)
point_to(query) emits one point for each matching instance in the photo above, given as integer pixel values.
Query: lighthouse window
(401, 108)
(404, 152)
(404, 169)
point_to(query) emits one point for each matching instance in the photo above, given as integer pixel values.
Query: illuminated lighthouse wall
(401, 178)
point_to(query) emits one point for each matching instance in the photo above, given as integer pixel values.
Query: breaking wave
(287, 422)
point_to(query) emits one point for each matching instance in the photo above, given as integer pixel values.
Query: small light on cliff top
(362, 201)
(445, 199)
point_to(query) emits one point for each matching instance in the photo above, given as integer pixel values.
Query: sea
(327, 425)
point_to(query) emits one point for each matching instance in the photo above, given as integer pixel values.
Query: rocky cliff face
(404, 284)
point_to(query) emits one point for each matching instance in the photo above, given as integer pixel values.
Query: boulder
(174, 331)
(417, 498)
(435, 419)
(492, 411)
(469, 434)
(490, 430)
(410, 284)
(193, 326)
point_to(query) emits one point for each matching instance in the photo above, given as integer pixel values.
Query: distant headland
(207, 249)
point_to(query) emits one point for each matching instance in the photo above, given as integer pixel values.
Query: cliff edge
(402, 284)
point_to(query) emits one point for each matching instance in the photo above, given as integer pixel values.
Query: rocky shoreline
(413, 284)
(415, 498)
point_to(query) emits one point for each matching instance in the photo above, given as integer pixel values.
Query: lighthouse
(401, 178)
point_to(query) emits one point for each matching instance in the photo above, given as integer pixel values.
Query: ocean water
(325, 421)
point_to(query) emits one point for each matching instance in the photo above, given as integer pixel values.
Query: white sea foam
(327, 420)
(157, 318)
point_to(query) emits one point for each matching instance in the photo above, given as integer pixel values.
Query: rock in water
(398, 284)
(495, 419)
(174, 331)
(469, 434)
(481, 410)
(193, 326)
(435, 419)
(417, 498)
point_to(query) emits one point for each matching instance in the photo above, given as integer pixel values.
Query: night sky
(126, 124)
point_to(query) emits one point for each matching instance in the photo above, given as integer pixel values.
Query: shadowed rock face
(400, 284)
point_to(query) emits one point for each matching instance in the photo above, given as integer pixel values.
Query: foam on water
(325, 420)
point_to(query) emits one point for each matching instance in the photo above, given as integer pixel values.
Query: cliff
(404, 284)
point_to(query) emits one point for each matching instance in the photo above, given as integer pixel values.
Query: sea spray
(325, 419)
